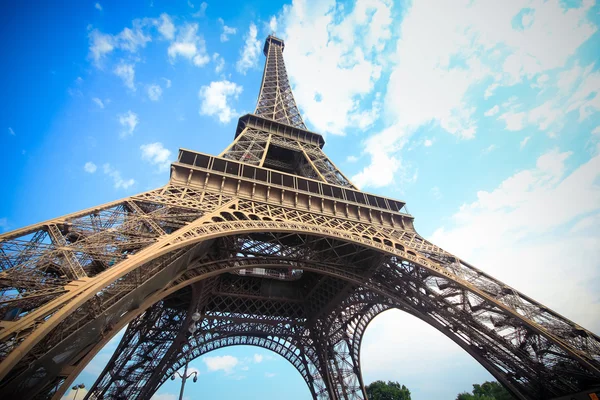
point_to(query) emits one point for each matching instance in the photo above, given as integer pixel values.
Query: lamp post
(192, 328)
(76, 389)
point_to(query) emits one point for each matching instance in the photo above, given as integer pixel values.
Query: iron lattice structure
(275, 248)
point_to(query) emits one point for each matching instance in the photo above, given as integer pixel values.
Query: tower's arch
(298, 245)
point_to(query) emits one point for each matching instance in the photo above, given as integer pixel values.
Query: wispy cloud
(221, 363)
(156, 154)
(126, 71)
(250, 52)
(118, 181)
(11, 131)
(98, 102)
(129, 122)
(488, 149)
(227, 30)
(216, 97)
(89, 167)
(492, 111)
(98, 6)
(154, 92)
(165, 26)
(189, 45)
(129, 40)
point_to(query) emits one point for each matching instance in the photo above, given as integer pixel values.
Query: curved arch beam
(499, 298)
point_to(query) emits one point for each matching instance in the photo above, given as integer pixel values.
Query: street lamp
(192, 328)
(76, 389)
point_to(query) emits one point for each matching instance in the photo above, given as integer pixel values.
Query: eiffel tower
(270, 245)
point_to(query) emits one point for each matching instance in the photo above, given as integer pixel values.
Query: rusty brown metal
(274, 247)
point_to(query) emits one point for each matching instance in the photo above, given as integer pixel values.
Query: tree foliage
(486, 391)
(379, 390)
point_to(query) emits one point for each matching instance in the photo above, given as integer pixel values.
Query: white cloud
(166, 26)
(11, 131)
(541, 81)
(215, 99)
(127, 73)
(514, 121)
(529, 213)
(156, 154)
(201, 10)
(227, 30)
(469, 43)
(330, 62)
(98, 102)
(488, 149)
(132, 39)
(270, 374)
(366, 118)
(436, 193)
(586, 98)
(100, 45)
(98, 6)
(428, 143)
(128, 121)
(129, 39)
(119, 182)
(75, 394)
(90, 167)
(223, 363)
(250, 52)
(189, 45)
(257, 358)
(351, 159)
(154, 92)
(489, 91)
(596, 131)
(164, 396)
(167, 82)
(384, 167)
(273, 25)
(219, 63)
(524, 142)
(492, 111)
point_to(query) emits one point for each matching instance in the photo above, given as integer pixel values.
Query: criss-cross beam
(275, 100)
(504, 330)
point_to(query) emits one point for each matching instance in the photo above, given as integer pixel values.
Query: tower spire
(275, 100)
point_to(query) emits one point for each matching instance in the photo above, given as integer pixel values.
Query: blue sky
(483, 117)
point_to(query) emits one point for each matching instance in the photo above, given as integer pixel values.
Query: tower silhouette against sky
(267, 244)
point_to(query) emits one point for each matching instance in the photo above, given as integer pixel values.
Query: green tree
(379, 390)
(486, 391)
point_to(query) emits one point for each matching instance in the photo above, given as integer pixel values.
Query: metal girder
(275, 100)
(296, 262)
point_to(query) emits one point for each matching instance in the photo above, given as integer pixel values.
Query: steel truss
(275, 248)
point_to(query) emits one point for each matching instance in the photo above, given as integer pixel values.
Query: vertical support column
(144, 344)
